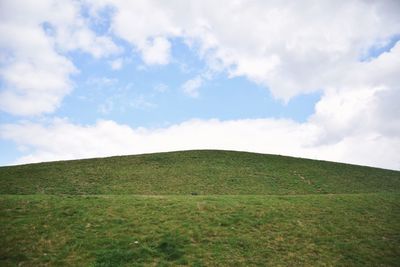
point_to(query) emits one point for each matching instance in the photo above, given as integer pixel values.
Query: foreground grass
(199, 208)
(128, 230)
(205, 172)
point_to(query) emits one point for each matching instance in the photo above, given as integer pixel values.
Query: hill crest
(205, 172)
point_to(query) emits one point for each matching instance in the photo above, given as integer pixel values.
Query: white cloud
(33, 83)
(161, 88)
(191, 87)
(364, 100)
(106, 107)
(141, 102)
(282, 45)
(63, 140)
(35, 75)
(116, 64)
(291, 48)
(117, 98)
(142, 24)
(156, 51)
(101, 82)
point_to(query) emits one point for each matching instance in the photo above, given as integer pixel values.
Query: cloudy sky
(315, 79)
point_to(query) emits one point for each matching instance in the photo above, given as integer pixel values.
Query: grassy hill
(199, 208)
(204, 172)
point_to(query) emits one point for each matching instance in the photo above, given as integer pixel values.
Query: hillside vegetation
(203, 172)
(199, 208)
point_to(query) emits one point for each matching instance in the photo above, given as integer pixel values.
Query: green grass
(251, 210)
(203, 172)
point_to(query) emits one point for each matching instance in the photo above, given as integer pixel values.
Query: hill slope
(205, 172)
(249, 210)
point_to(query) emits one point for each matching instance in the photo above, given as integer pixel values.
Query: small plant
(172, 246)
(114, 257)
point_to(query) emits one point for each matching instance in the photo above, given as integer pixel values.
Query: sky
(95, 78)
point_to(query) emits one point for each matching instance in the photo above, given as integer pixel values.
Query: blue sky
(111, 78)
(152, 96)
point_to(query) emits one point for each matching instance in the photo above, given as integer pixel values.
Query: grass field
(199, 208)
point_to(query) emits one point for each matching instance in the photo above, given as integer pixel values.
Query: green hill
(199, 208)
(204, 172)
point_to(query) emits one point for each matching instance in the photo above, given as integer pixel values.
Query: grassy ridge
(251, 210)
(204, 172)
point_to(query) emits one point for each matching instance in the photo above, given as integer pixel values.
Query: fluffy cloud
(142, 24)
(34, 35)
(289, 47)
(116, 64)
(191, 87)
(61, 139)
(32, 82)
(364, 100)
(156, 51)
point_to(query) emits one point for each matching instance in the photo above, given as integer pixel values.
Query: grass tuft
(114, 257)
(172, 246)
